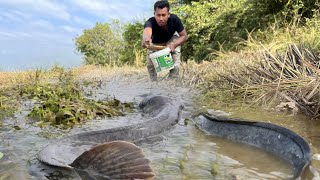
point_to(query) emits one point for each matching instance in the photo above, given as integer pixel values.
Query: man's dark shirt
(160, 35)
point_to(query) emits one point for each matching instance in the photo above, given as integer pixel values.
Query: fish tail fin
(113, 160)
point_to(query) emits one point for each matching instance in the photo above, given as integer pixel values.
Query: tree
(132, 43)
(213, 25)
(99, 45)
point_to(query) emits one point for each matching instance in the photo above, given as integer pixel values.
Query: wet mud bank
(184, 152)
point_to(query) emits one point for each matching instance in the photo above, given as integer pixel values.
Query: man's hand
(146, 43)
(146, 37)
(172, 46)
(179, 41)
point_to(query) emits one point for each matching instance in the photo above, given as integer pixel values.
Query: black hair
(161, 4)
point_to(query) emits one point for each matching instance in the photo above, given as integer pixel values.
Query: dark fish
(277, 140)
(108, 154)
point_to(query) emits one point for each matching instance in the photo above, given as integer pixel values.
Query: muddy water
(184, 152)
(304, 126)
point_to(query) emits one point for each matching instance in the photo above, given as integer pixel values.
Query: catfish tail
(113, 160)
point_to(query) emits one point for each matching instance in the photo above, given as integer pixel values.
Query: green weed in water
(63, 104)
(186, 121)
(8, 103)
(67, 107)
(182, 163)
(214, 169)
(1, 155)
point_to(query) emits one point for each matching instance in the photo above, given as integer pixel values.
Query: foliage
(63, 104)
(100, 45)
(221, 25)
(56, 98)
(214, 168)
(8, 103)
(288, 8)
(132, 53)
(10, 99)
(112, 44)
(201, 21)
(212, 25)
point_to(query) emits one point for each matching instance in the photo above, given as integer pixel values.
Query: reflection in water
(183, 153)
(190, 154)
(304, 126)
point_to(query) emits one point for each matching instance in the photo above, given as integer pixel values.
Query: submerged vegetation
(7, 104)
(60, 103)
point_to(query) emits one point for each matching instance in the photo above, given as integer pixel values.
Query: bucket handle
(155, 47)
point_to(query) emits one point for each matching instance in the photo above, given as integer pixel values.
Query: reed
(268, 78)
(280, 64)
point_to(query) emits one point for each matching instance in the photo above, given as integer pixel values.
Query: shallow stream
(184, 152)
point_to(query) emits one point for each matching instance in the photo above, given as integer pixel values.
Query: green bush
(132, 35)
(100, 45)
(209, 25)
(212, 26)
(216, 25)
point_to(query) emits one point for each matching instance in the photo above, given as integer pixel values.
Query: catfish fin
(113, 160)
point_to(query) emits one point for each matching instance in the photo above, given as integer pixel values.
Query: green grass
(57, 96)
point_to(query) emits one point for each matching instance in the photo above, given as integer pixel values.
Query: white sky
(40, 33)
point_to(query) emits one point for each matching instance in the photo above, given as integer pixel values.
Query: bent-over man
(167, 30)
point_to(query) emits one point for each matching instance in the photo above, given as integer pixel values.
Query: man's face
(162, 16)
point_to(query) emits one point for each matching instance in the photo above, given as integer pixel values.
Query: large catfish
(277, 140)
(110, 153)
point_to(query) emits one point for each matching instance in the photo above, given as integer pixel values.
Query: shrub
(99, 45)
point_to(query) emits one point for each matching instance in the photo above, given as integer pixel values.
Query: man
(164, 29)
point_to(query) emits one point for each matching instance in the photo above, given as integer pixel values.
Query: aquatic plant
(214, 169)
(186, 121)
(182, 163)
(1, 155)
(8, 103)
(63, 104)
(57, 97)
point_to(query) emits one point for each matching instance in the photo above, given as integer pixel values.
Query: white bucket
(162, 60)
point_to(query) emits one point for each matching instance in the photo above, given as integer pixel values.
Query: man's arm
(146, 37)
(182, 39)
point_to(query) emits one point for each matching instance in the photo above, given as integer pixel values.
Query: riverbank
(129, 85)
(249, 79)
(59, 97)
(99, 85)
(281, 81)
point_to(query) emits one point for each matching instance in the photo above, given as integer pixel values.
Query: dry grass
(259, 77)
(91, 71)
(192, 73)
(267, 78)
(11, 79)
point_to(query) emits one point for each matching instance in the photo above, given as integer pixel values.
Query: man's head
(161, 12)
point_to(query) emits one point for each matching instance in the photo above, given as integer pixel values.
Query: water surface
(184, 152)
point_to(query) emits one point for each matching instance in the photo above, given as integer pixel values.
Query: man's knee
(174, 73)
(151, 70)
(176, 56)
